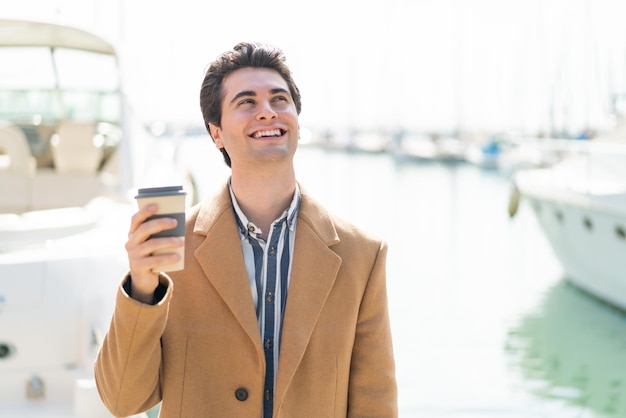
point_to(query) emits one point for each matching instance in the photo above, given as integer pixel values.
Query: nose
(266, 111)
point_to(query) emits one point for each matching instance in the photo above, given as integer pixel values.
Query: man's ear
(216, 134)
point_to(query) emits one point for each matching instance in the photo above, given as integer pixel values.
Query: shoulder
(339, 231)
(361, 251)
(355, 239)
(349, 230)
(201, 217)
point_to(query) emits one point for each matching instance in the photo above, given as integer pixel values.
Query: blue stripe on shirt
(265, 263)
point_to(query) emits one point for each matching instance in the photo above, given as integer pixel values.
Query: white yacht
(71, 156)
(580, 203)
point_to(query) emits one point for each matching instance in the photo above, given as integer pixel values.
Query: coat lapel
(221, 259)
(313, 273)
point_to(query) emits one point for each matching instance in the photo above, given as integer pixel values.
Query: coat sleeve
(373, 390)
(127, 368)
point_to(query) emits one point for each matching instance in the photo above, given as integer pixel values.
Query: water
(484, 323)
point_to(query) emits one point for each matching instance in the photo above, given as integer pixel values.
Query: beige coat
(200, 346)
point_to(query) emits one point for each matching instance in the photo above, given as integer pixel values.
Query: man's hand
(140, 248)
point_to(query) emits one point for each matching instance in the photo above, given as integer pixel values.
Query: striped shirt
(268, 264)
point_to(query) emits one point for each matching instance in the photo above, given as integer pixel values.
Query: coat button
(241, 394)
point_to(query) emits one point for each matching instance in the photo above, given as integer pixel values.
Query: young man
(281, 310)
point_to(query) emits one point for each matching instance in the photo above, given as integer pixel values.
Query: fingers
(141, 229)
(145, 254)
(153, 252)
(141, 216)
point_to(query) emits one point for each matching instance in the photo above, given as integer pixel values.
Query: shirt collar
(247, 228)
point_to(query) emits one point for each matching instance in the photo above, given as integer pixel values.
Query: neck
(263, 198)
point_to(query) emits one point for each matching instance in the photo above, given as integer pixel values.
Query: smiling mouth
(270, 133)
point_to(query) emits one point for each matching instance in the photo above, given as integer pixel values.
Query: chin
(276, 154)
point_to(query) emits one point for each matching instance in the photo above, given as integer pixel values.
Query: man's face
(259, 119)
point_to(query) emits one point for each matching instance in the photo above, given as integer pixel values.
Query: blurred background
(482, 139)
(538, 66)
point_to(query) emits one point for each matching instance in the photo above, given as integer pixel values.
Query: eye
(246, 102)
(281, 99)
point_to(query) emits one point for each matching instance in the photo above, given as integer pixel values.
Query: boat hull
(586, 230)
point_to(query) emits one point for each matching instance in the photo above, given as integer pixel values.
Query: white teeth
(272, 132)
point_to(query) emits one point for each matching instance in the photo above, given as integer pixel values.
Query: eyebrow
(247, 93)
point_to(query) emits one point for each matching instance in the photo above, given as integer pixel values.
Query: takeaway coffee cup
(170, 202)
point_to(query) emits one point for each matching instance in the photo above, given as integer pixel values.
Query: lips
(268, 133)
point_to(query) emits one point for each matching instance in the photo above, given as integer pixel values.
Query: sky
(531, 65)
